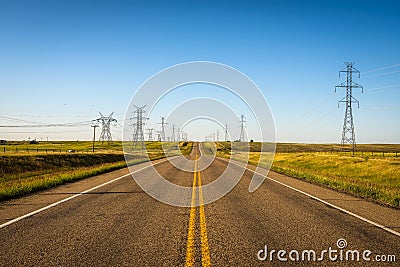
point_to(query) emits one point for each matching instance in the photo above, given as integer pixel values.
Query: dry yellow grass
(373, 177)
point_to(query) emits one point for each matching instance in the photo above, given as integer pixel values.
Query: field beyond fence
(373, 172)
(35, 167)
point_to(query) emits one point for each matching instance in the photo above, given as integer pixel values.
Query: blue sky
(63, 61)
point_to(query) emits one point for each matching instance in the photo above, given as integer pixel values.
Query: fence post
(383, 154)
(372, 152)
(16, 150)
(37, 150)
(4, 149)
(27, 149)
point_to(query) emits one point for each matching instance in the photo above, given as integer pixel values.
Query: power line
(382, 74)
(348, 135)
(381, 88)
(18, 120)
(47, 125)
(383, 68)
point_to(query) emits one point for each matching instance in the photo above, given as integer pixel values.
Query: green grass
(25, 173)
(374, 177)
(20, 147)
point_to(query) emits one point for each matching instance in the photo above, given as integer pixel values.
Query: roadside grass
(21, 174)
(372, 177)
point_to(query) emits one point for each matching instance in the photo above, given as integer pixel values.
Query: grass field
(19, 147)
(375, 177)
(26, 172)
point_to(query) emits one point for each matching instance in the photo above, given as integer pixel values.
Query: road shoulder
(15, 208)
(385, 216)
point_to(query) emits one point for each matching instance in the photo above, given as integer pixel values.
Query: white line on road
(327, 203)
(72, 197)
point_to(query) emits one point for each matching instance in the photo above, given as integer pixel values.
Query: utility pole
(105, 127)
(348, 135)
(138, 135)
(94, 125)
(242, 121)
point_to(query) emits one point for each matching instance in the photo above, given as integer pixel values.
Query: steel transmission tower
(162, 132)
(105, 127)
(150, 133)
(138, 135)
(348, 136)
(173, 133)
(226, 132)
(242, 121)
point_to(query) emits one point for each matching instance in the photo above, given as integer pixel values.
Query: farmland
(37, 167)
(373, 172)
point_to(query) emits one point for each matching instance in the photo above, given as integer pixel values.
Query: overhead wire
(381, 88)
(381, 74)
(383, 68)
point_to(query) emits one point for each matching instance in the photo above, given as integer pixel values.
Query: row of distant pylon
(138, 134)
(160, 134)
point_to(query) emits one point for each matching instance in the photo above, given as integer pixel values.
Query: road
(118, 224)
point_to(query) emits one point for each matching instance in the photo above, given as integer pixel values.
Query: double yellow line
(190, 251)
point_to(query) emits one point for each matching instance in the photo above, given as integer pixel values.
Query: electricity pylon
(173, 133)
(162, 132)
(242, 121)
(150, 133)
(348, 135)
(138, 135)
(105, 127)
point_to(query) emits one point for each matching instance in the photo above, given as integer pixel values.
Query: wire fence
(17, 150)
(362, 153)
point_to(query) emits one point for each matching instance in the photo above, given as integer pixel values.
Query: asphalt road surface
(118, 224)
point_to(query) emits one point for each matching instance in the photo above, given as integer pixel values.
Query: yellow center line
(192, 223)
(205, 251)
